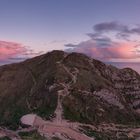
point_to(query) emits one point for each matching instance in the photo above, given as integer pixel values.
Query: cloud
(116, 51)
(11, 49)
(70, 45)
(110, 26)
(109, 41)
(116, 26)
(121, 31)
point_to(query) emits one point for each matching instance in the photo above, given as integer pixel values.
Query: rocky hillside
(94, 92)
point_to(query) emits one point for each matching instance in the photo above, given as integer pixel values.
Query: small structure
(28, 120)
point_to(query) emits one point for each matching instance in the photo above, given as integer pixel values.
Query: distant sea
(135, 66)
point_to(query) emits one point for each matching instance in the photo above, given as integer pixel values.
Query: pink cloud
(11, 49)
(111, 41)
(107, 53)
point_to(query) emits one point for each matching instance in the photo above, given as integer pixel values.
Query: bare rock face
(28, 120)
(93, 91)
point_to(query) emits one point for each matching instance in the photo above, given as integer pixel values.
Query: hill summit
(87, 90)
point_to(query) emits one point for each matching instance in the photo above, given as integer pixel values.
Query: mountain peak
(88, 90)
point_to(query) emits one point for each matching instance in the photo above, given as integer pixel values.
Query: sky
(107, 30)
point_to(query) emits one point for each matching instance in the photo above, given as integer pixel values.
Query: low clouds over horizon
(110, 41)
(11, 49)
(11, 52)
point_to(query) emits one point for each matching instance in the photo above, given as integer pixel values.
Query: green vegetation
(5, 138)
(45, 112)
(55, 138)
(69, 115)
(13, 119)
(31, 136)
(97, 135)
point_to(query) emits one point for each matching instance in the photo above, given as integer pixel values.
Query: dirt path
(60, 127)
(13, 135)
(73, 75)
(63, 131)
(59, 110)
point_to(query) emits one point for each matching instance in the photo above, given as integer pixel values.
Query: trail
(64, 132)
(59, 110)
(73, 74)
(13, 135)
(60, 127)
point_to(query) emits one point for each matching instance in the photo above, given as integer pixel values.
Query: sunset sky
(108, 30)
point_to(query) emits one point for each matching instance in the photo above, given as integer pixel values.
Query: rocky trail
(59, 110)
(60, 127)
